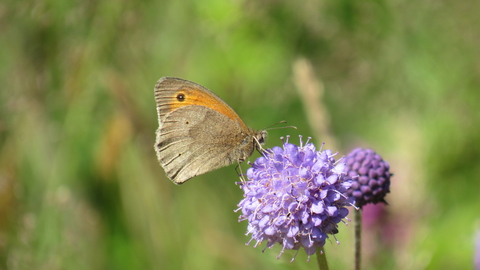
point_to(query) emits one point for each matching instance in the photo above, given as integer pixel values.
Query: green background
(80, 186)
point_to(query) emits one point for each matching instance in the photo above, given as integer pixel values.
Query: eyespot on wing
(173, 93)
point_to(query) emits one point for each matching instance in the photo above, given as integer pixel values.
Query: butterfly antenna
(281, 122)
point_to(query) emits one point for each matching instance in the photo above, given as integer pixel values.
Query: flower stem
(358, 238)
(321, 259)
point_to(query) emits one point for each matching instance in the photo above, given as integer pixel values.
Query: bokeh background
(80, 186)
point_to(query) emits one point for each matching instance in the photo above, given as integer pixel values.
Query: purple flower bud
(371, 176)
(299, 197)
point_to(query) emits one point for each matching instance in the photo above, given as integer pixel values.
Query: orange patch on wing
(197, 97)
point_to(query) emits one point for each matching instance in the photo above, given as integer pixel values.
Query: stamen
(295, 256)
(336, 240)
(321, 147)
(308, 140)
(281, 252)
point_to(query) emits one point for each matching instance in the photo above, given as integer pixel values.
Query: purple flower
(294, 196)
(371, 176)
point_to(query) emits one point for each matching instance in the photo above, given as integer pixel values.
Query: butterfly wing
(190, 142)
(198, 132)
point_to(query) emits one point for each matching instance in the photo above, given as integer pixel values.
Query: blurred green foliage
(80, 186)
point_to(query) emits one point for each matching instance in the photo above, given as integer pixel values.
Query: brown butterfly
(198, 132)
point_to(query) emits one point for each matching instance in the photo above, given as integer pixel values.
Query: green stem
(358, 238)
(321, 259)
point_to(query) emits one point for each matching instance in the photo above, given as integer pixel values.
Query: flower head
(373, 176)
(295, 196)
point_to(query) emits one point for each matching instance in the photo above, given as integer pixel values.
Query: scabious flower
(295, 196)
(371, 176)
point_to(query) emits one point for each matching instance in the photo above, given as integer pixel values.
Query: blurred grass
(80, 187)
